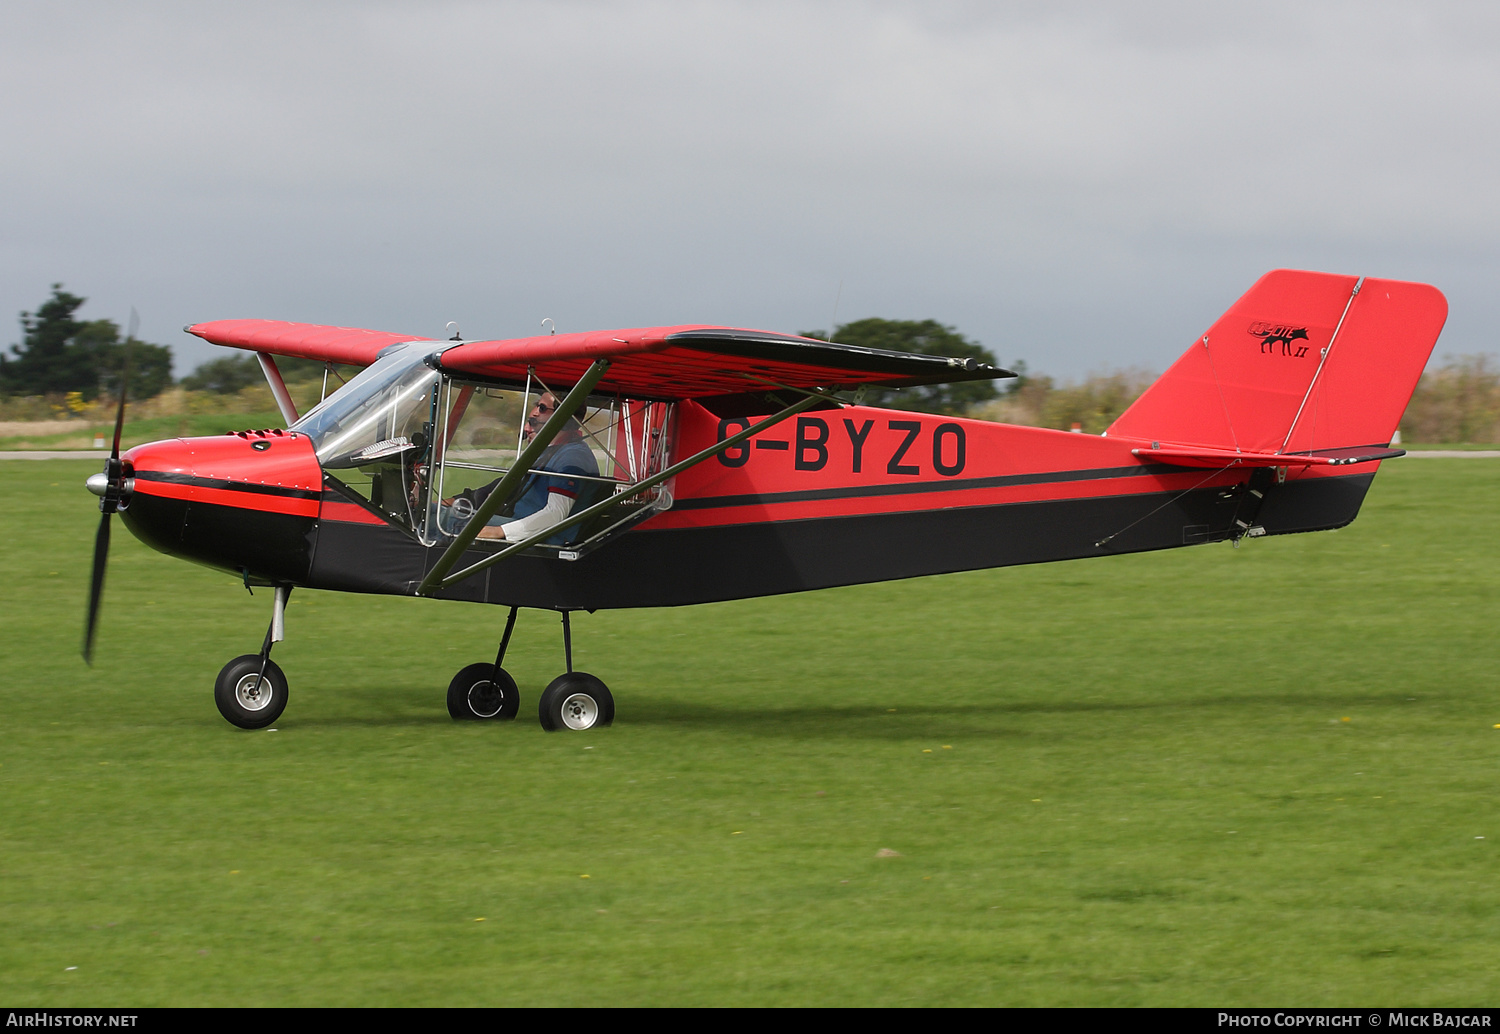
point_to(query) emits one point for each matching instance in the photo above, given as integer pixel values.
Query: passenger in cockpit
(549, 492)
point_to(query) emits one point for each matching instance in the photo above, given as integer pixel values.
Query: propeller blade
(135, 321)
(114, 475)
(96, 587)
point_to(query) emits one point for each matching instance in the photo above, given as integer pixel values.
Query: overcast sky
(1082, 186)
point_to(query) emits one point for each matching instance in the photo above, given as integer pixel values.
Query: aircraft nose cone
(120, 492)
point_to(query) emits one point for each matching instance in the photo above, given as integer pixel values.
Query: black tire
(577, 701)
(247, 701)
(478, 692)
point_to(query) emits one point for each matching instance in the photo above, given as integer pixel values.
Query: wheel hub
(580, 711)
(253, 692)
(485, 699)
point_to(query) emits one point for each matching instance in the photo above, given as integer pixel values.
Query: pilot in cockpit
(548, 493)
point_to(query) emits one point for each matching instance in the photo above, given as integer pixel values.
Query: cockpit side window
(484, 430)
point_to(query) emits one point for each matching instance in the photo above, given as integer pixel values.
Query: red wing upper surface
(656, 362)
(346, 345)
(699, 362)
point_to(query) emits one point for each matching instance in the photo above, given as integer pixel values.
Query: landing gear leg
(575, 700)
(251, 690)
(486, 691)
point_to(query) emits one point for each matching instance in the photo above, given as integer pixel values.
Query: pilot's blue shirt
(562, 463)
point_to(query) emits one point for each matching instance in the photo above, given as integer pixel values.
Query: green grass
(1455, 447)
(1204, 777)
(137, 431)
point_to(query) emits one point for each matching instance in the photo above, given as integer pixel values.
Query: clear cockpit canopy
(382, 414)
(415, 446)
(374, 435)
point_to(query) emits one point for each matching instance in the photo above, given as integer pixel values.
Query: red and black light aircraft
(731, 464)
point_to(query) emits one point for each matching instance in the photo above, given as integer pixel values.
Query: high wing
(345, 345)
(682, 362)
(701, 362)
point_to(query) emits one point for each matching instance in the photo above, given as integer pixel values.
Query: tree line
(62, 355)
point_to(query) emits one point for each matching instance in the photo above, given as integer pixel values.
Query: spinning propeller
(113, 489)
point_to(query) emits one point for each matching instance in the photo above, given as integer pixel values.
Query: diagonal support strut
(441, 582)
(507, 484)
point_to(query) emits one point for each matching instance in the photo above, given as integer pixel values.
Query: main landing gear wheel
(576, 701)
(246, 698)
(479, 691)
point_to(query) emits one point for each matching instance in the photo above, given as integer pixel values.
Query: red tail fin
(1303, 361)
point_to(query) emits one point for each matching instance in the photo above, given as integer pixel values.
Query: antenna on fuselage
(548, 320)
(457, 336)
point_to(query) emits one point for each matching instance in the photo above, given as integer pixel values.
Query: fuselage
(832, 497)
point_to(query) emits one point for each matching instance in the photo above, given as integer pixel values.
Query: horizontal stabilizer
(1181, 456)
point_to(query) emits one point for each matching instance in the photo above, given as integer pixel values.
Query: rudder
(1302, 362)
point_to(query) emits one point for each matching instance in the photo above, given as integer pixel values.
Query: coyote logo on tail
(1272, 334)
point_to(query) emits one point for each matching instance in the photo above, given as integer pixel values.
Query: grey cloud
(1079, 185)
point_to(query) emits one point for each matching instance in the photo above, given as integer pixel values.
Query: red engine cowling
(245, 502)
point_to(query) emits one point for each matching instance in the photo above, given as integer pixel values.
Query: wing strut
(507, 484)
(435, 578)
(278, 387)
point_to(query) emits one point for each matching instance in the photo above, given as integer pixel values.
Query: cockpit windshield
(374, 435)
(365, 419)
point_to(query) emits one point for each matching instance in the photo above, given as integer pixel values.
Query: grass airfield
(1216, 777)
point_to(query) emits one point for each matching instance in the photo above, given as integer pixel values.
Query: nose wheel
(251, 690)
(249, 697)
